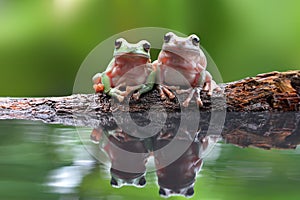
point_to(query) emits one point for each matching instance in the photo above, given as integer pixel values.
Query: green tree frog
(130, 68)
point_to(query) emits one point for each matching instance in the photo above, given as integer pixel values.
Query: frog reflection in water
(182, 63)
(126, 168)
(130, 68)
(177, 178)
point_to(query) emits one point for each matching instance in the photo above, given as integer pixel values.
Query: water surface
(39, 161)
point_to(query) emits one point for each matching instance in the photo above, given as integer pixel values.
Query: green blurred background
(43, 43)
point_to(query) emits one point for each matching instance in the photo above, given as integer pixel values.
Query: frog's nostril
(118, 44)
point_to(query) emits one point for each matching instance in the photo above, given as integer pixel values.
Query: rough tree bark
(261, 111)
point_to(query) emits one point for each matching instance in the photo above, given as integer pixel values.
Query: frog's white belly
(173, 77)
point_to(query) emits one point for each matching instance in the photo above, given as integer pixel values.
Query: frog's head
(178, 182)
(178, 178)
(119, 179)
(142, 48)
(186, 192)
(181, 45)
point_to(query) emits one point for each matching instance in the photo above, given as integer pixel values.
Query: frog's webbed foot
(115, 92)
(120, 95)
(192, 92)
(198, 97)
(96, 135)
(165, 90)
(130, 89)
(98, 87)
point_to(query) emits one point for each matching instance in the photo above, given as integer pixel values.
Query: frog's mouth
(132, 59)
(186, 191)
(131, 55)
(182, 52)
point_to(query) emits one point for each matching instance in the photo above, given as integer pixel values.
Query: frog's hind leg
(211, 86)
(189, 98)
(114, 92)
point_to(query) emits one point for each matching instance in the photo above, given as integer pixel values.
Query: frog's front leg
(195, 91)
(114, 92)
(210, 84)
(162, 88)
(147, 86)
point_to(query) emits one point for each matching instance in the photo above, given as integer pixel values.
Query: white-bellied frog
(130, 68)
(181, 65)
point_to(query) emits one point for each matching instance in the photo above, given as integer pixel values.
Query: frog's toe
(210, 92)
(198, 98)
(161, 92)
(117, 94)
(216, 87)
(136, 95)
(189, 98)
(169, 93)
(186, 103)
(199, 102)
(120, 98)
(212, 86)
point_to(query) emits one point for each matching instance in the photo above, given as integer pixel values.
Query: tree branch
(262, 111)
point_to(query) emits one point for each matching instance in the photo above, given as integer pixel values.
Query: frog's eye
(189, 192)
(146, 46)
(118, 44)
(162, 192)
(195, 40)
(142, 181)
(113, 182)
(167, 37)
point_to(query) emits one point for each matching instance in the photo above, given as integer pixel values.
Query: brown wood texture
(261, 111)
